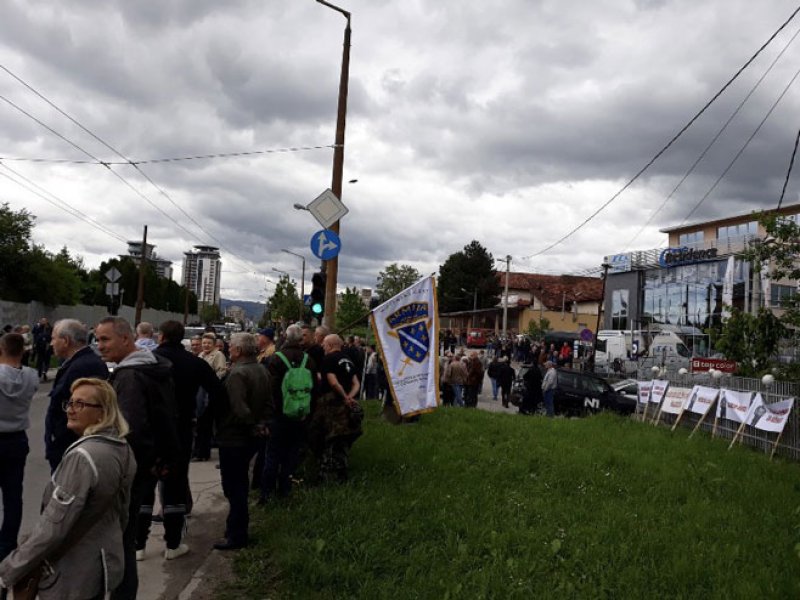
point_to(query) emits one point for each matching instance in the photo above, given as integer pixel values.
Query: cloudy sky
(509, 122)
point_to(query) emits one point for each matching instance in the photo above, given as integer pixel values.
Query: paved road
(159, 579)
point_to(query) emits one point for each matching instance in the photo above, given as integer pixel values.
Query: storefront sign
(701, 365)
(672, 257)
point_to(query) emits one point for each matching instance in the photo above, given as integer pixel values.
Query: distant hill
(253, 310)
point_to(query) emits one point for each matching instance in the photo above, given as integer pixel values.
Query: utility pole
(332, 266)
(140, 292)
(507, 260)
(599, 311)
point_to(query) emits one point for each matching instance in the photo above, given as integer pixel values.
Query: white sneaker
(140, 555)
(171, 553)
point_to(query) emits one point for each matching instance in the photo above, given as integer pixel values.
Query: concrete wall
(16, 313)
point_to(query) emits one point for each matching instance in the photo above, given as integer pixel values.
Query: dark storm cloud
(505, 122)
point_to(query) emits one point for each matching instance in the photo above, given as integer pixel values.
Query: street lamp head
(299, 206)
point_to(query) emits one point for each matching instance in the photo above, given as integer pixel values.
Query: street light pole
(302, 279)
(332, 266)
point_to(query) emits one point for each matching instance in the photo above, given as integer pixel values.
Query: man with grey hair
(286, 434)
(69, 343)
(146, 396)
(240, 422)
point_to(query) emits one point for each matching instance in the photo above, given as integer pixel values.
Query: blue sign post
(325, 244)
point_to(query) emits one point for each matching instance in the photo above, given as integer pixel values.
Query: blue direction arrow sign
(325, 244)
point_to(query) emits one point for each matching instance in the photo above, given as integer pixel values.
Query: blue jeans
(495, 387)
(548, 402)
(458, 394)
(14, 451)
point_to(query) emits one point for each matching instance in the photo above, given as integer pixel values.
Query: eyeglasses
(78, 405)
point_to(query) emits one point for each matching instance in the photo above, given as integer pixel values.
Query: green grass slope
(471, 504)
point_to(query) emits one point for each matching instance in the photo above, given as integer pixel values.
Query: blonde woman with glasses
(75, 551)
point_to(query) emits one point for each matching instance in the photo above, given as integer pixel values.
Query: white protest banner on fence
(644, 391)
(702, 399)
(675, 399)
(657, 391)
(769, 417)
(733, 405)
(407, 329)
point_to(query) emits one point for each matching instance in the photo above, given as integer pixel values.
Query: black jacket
(146, 396)
(190, 373)
(84, 363)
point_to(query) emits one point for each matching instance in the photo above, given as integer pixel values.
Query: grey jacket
(79, 534)
(17, 387)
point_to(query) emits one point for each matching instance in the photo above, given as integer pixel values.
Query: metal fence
(789, 445)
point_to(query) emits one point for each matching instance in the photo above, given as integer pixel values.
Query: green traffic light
(316, 308)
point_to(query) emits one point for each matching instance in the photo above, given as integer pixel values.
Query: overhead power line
(789, 172)
(671, 141)
(742, 149)
(713, 141)
(166, 160)
(58, 202)
(115, 151)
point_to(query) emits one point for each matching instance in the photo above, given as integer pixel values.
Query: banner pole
(714, 429)
(777, 441)
(678, 420)
(644, 412)
(658, 415)
(736, 435)
(700, 422)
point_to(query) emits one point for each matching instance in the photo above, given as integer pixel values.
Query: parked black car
(579, 393)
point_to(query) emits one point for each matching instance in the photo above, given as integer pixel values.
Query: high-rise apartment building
(162, 266)
(202, 269)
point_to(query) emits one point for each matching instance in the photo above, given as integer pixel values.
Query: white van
(626, 350)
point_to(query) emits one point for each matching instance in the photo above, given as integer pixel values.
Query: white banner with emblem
(407, 329)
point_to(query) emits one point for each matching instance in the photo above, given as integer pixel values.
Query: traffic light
(318, 294)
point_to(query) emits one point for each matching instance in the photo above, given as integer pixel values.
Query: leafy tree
(210, 313)
(394, 279)
(28, 271)
(285, 304)
(465, 272)
(537, 330)
(351, 309)
(750, 340)
(779, 253)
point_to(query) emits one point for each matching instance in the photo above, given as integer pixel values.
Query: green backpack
(296, 388)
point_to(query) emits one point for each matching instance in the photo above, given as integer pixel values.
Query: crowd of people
(126, 418)
(462, 374)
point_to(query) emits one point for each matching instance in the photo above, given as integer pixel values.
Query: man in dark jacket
(69, 344)
(240, 421)
(146, 396)
(533, 390)
(42, 335)
(189, 374)
(286, 435)
(505, 377)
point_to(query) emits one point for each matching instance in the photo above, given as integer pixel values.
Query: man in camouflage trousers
(336, 420)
